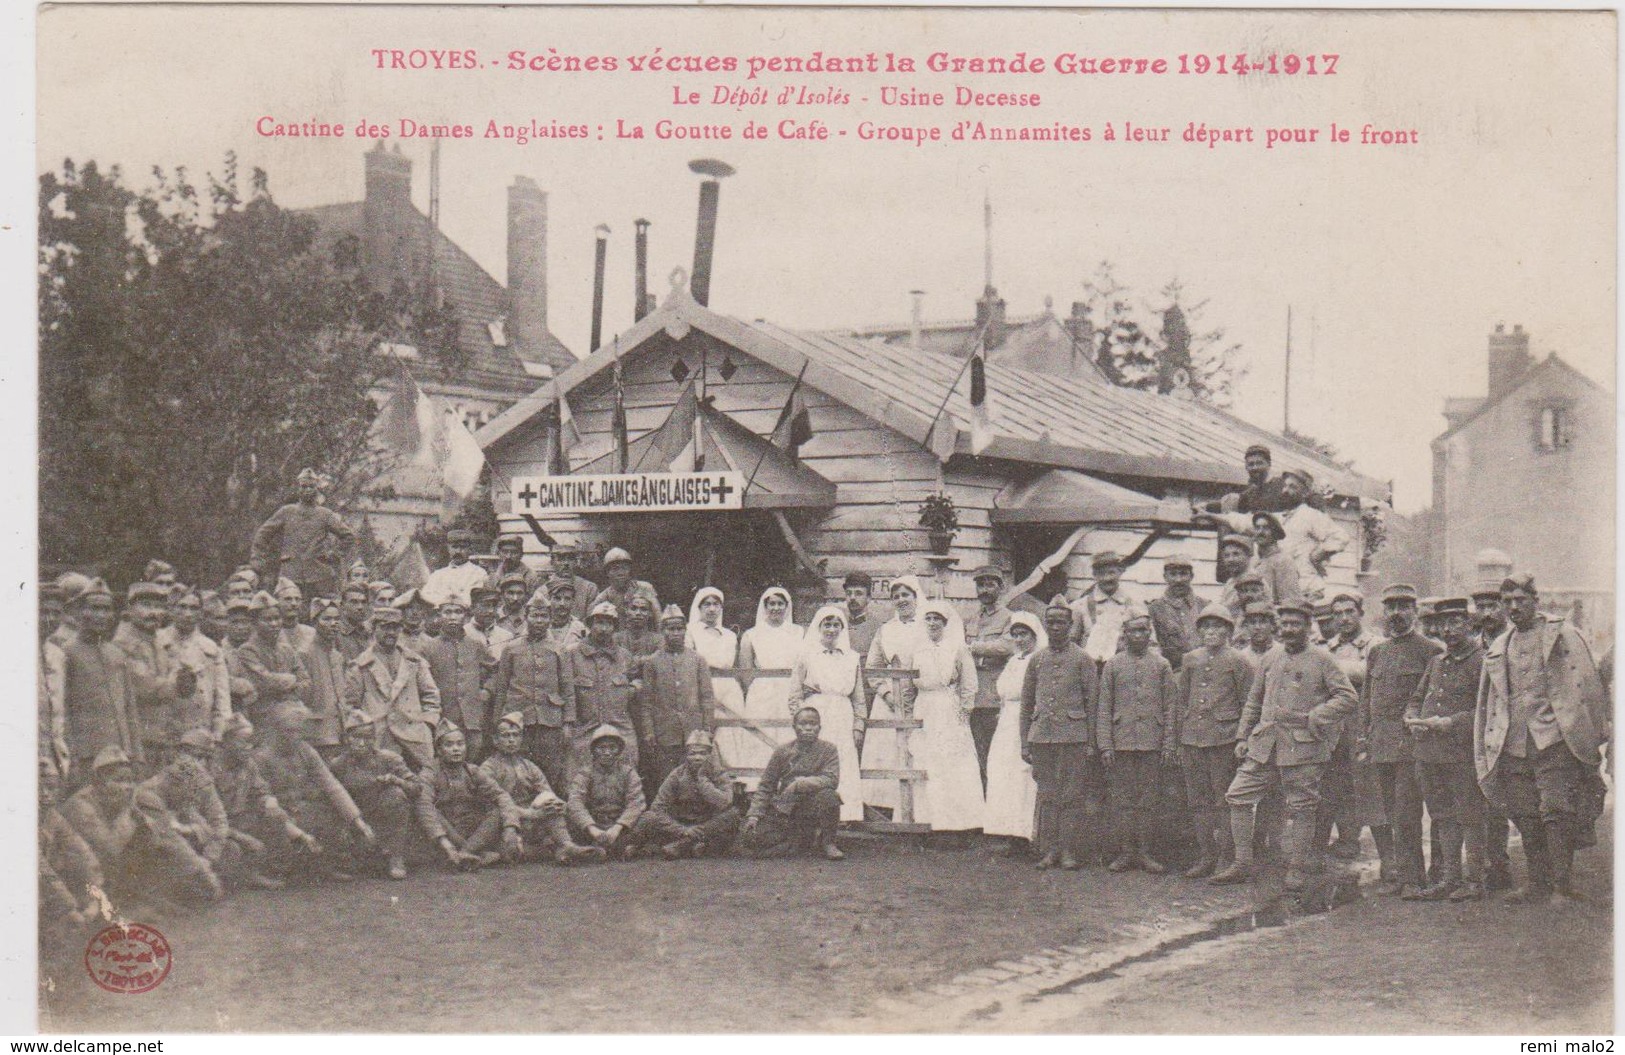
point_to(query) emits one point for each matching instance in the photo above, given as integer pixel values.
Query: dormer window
(1555, 428)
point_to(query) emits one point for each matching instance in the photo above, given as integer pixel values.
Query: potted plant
(940, 520)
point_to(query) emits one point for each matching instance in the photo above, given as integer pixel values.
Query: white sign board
(629, 493)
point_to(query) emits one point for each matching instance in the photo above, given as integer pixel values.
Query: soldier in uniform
(1209, 693)
(324, 665)
(606, 796)
(603, 677)
(1394, 668)
(1285, 737)
(99, 814)
(567, 566)
(1340, 802)
(269, 664)
(622, 585)
(514, 591)
(796, 806)
(293, 543)
(461, 668)
(541, 811)
(511, 551)
(1257, 633)
(640, 636)
(90, 706)
(252, 812)
(1541, 721)
(462, 810)
(291, 600)
(532, 679)
(327, 820)
(156, 681)
(1440, 721)
(674, 699)
(1134, 732)
(209, 706)
(692, 814)
(1490, 621)
(355, 631)
(397, 689)
(382, 787)
(987, 634)
(182, 834)
(460, 575)
(564, 630)
(1100, 610)
(1058, 740)
(1173, 615)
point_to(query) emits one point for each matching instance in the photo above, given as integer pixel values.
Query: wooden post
(905, 758)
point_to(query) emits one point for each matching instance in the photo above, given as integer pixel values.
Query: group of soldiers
(288, 728)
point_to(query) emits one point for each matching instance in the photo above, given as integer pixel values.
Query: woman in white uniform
(827, 677)
(951, 799)
(893, 646)
(719, 647)
(1012, 796)
(773, 643)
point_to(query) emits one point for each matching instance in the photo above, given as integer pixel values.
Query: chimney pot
(1508, 359)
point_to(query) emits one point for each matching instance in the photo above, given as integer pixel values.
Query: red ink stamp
(128, 958)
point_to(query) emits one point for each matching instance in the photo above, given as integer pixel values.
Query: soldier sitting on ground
(254, 816)
(381, 785)
(179, 825)
(693, 814)
(606, 795)
(328, 819)
(796, 805)
(462, 810)
(541, 812)
(99, 814)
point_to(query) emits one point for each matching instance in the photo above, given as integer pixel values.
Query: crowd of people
(289, 728)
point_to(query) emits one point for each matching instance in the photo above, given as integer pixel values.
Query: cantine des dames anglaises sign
(629, 493)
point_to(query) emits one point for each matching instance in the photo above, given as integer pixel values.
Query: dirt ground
(787, 946)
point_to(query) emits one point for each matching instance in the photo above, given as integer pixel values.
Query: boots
(1300, 834)
(1449, 861)
(1389, 884)
(1559, 852)
(1538, 889)
(1241, 832)
(1142, 855)
(568, 851)
(1208, 861)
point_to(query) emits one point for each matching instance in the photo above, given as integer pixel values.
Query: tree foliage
(1163, 348)
(198, 347)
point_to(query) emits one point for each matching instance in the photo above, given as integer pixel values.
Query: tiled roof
(1036, 418)
(1033, 342)
(478, 298)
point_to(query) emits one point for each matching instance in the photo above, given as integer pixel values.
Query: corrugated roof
(1036, 418)
(479, 299)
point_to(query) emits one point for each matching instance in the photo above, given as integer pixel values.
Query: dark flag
(619, 424)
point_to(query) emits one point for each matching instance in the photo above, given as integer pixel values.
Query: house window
(1555, 428)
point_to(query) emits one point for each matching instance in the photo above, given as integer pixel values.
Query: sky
(1396, 261)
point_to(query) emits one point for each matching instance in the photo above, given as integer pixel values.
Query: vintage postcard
(825, 519)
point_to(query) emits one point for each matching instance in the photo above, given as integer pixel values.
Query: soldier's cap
(608, 732)
(604, 610)
(263, 602)
(1177, 561)
(1524, 582)
(246, 573)
(482, 593)
(1302, 474)
(672, 612)
(308, 475)
(1257, 448)
(156, 567)
(1399, 591)
(356, 718)
(513, 577)
(213, 603)
(72, 584)
(445, 729)
(1246, 577)
(147, 591)
(1258, 608)
(1058, 604)
(1134, 612)
(108, 757)
(1261, 519)
(639, 599)
(318, 605)
(462, 535)
(699, 738)
(1106, 558)
(512, 718)
(1424, 608)
(987, 571)
(384, 614)
(1486, 589)
(615, 554)
(560, 585)
(378, 586)
(1321, 611)
(1300, 607)
(288, 590)
(511, 542)
(198, 740)
(1242, 542)
(356, 589)
(1353, 598)
(1452, 606)
(1216, 611)
(237, 725)
(238, 604)
(180, 592)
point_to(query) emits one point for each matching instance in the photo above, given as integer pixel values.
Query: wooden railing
(905, 724)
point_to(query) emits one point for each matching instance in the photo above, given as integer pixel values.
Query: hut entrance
(740, 553)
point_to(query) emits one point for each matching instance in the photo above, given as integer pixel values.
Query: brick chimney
(389, 249)
(990, 310)
(527, 267)
(1509, 358)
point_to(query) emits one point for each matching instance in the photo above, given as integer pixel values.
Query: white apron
(1012, 796)
(951, 799)
(829, 682)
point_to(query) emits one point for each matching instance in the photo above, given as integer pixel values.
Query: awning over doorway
(776, 481)
(1065, 497)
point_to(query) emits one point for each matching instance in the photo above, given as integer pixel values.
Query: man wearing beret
(1541, 721)
(1394, 668)
(268, 662)
(674, 699)
(156, 680)
(622, 585)
(987, 634)
(532, 680)
(1134, 731)
(1439, 719)
(1173, 615)
(462, 669)
(460, 575)
(1286, 734)
(293, 543)
(397, 689)
(382, 787)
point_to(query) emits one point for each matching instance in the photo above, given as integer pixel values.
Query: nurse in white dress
(828, 678)
(719, 647)
(893, 646)
(951, 799)
(1012, 796)
(773, 643)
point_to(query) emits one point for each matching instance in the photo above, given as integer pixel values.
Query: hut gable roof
(1036, 418)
